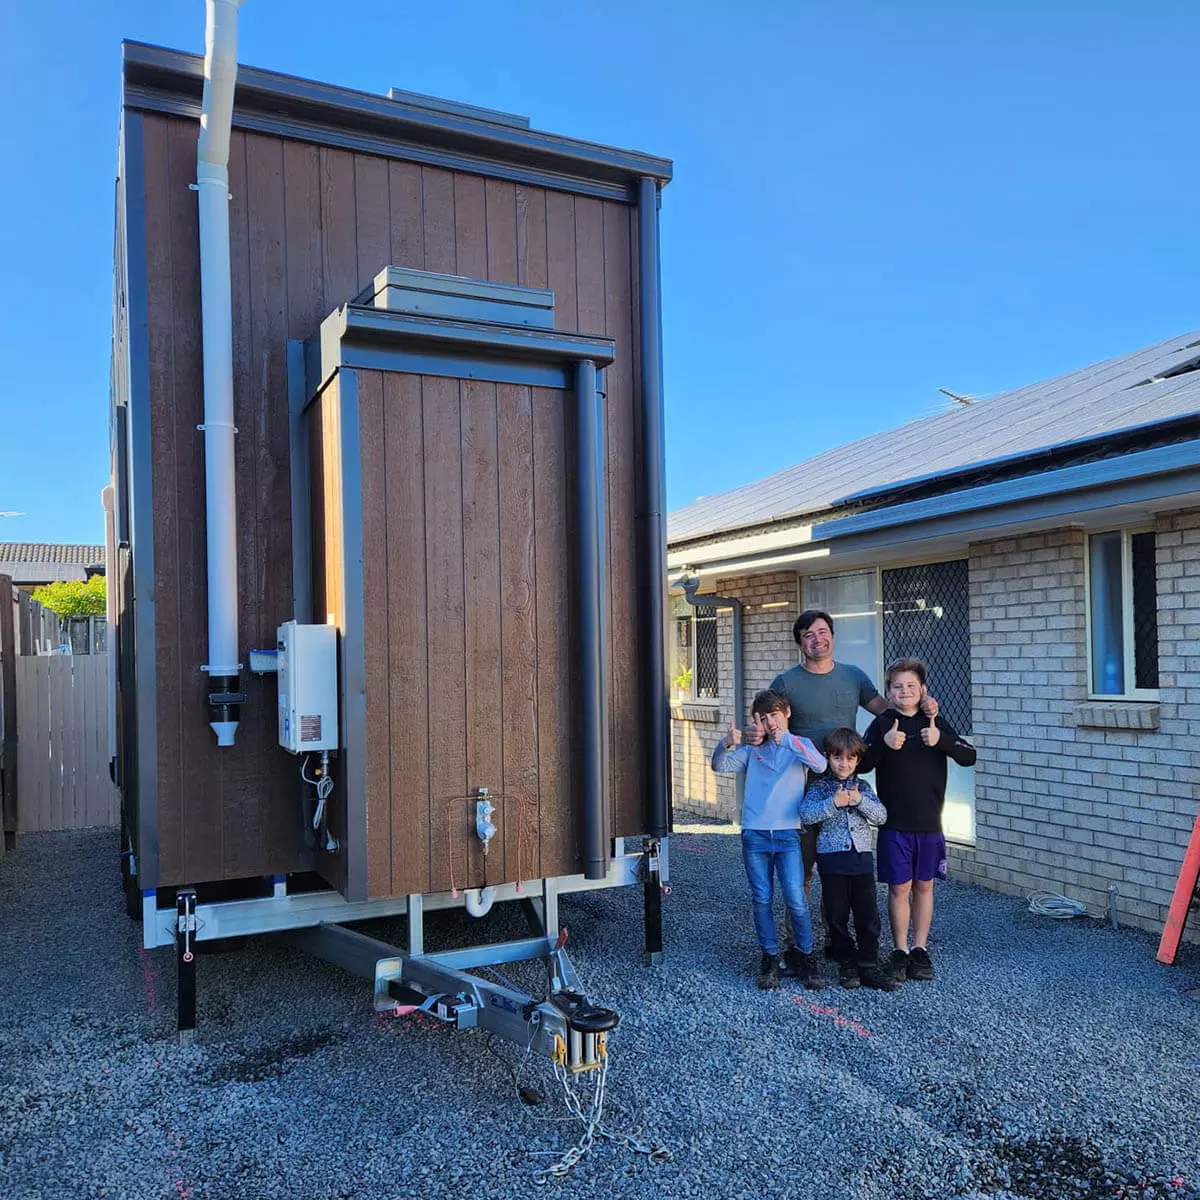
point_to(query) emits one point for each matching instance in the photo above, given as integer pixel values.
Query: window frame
(1129, 648)
(692, 696)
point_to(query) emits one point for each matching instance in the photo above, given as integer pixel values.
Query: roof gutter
(1144, 475)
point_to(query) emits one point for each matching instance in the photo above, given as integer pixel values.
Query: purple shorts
(906, 856)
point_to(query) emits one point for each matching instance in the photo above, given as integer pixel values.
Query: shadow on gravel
(270, 1062)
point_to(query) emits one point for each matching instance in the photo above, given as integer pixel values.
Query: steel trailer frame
(564, 1027)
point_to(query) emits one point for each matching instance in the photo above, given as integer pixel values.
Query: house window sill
(706, 711)
(1116, 714)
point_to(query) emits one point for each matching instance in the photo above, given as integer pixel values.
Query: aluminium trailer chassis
(564, 1027)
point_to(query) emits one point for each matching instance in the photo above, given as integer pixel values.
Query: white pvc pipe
(212, 186)
(479, 902)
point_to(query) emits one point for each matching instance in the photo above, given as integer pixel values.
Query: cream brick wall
(769, 608)
(1064, 801)
(1061, 804)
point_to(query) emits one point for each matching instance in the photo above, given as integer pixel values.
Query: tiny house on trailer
(430, 515)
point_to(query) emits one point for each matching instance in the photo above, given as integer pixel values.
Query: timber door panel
(470, 581)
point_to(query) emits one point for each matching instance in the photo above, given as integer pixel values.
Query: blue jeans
(776, 850)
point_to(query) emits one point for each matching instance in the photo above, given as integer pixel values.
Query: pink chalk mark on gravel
(838, 1019)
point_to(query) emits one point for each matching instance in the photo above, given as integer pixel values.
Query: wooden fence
(54, 715)
(62, 746)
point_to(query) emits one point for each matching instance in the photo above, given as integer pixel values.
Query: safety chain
(593, 1129)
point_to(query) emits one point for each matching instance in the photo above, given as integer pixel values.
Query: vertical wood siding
(311, 226)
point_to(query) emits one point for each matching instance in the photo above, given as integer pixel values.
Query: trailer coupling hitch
(588, 1026)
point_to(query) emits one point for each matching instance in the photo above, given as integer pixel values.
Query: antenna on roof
(963, 400)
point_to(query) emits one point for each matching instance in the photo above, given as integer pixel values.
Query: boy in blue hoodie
(776, 773)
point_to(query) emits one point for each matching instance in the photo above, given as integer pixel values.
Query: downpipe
(212, 188)
(689, 583)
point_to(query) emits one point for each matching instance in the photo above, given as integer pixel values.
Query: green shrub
(74, 598)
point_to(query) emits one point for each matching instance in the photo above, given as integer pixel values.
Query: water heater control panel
(308, 687)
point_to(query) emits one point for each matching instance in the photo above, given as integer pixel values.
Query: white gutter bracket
(212, 188)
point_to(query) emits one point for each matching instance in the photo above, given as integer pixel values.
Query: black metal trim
(353, 764)
(651, 520)
(284, 104)
(142, 499)
(418, 362)
(593, 658)
(301, 488)
(361, 327)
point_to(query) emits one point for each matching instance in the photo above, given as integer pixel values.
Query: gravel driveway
(1048, 1059)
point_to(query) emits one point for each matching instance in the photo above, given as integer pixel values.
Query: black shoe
(768, 972)
(873, 977)
(898, 965)
(848, 975)
(805, 968)
(920, 965)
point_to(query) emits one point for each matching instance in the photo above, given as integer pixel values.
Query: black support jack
(185, 960)
(652, 891)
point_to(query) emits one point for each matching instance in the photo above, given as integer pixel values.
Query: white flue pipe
(479, 902)
(212, 186)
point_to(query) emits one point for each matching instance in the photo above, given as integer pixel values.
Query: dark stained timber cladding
(1145, 610)
(310, 226)
(926, 615)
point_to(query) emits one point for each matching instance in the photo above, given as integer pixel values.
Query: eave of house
(1116, 490)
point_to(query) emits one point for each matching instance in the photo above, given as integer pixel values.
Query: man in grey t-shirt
(825, 695)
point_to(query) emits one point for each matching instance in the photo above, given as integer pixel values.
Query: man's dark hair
(914, 666)
(806, 618)
(845, 741)
(768, 701)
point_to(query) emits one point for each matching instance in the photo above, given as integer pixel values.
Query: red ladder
(1185, 895)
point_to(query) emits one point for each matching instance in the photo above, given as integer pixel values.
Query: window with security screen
(694, 665)
(926, 615)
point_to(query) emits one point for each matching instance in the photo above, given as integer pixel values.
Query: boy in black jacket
(908, 752)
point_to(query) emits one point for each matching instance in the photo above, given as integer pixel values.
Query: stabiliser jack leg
(185, 961)
(652, 893)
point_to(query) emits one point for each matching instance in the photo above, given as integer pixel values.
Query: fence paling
(63, 743)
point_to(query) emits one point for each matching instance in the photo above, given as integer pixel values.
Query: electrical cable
(1052, 904)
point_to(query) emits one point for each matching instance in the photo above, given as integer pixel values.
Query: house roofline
(1024, 463)
(1071, 493)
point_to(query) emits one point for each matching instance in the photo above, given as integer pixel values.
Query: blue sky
(870, 200)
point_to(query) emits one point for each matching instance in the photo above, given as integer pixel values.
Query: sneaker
(898, 965)
(768, 972)
(873, 977)
(920, 965)
(805, 969)
(848, 975)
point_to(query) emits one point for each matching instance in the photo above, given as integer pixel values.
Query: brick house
(1045, 562)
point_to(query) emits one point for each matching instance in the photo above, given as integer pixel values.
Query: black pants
(842, 895)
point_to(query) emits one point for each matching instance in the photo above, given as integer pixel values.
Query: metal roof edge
(1164, 425)
(1093, 476)
(147, 66)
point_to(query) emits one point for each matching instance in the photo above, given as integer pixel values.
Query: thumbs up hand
(932, 734)
(895, 737)
(841, 798)
(755, 733)
(733, 737)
